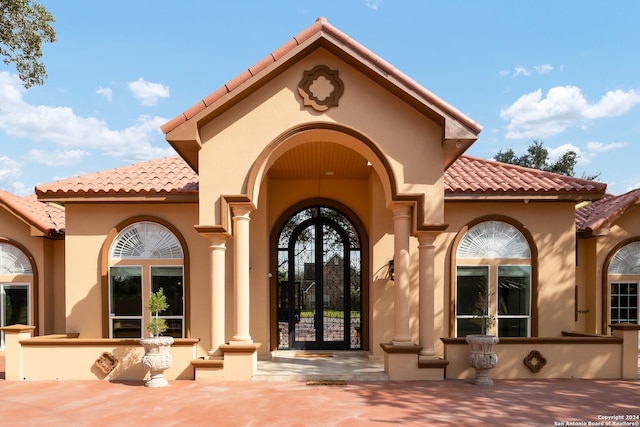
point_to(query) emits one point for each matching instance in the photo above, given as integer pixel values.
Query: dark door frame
(364, 253)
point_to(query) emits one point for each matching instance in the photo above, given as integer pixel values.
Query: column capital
(401, 209)
(427, 238)
(241, 210)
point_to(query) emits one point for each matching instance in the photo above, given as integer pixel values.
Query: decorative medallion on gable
(321, 88)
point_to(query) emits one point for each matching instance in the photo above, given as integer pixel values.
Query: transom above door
(319, 282)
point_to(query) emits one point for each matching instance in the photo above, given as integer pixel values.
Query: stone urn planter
(156, 359)
(482, 356)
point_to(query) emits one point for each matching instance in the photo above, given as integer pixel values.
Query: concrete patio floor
(274, 402)
(263, 403)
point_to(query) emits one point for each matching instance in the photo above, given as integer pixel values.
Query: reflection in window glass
(126, 291)
(171, 281)
(126, 302)
(472, 282)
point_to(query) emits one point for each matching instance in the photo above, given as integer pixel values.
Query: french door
(319, 282)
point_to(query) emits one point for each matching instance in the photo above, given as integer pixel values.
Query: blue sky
(566, 73)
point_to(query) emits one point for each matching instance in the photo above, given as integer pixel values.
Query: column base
(241, 340)
(240, 361)
(402, 363)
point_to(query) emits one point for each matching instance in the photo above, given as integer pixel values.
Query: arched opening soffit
(362, 151)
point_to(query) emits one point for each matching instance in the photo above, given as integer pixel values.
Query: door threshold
(292, 354)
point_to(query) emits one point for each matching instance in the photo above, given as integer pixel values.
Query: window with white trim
(144, 257)
(624, 281)
(493, 259)
(16, 279)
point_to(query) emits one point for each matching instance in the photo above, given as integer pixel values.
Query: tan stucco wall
(564, 360)
(241, 133)
(53, 286)
(87, 228)
(588, 283)
(552, 227)
(48, 256)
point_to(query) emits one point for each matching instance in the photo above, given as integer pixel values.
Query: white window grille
(147, 240)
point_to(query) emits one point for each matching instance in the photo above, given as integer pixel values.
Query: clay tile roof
(594, 216)
(169, 176)
(49, 219)
(467, 176)
(470, 176)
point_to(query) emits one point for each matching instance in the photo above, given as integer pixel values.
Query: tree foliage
(537, 157)
(25, 25)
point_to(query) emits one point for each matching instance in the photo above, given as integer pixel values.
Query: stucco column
(401, 232)
(241, 289)
(217, 252)
(426, 249)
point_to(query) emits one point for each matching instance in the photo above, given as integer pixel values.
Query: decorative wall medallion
(535, 361)
(106, 362)
(320, 88)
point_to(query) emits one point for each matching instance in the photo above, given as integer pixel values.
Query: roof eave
(512, 196)
(67, 198)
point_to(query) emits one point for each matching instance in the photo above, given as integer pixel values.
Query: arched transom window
(13, 261)
(16, 281)
(624, 279)
(493, 277)
(144, 257)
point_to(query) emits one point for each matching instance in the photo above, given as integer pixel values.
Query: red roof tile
(44, 217)
(594, 216)
(166, 176)
(470, 176)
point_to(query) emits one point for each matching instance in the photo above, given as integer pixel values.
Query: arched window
(144, 257)
(16, 281)
(624, 278)
(493, 277)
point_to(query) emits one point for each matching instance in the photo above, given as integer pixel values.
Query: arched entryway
(320, 280)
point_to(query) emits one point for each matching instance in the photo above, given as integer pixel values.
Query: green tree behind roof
(537, 157)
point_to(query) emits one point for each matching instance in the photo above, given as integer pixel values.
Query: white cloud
(9, 169)
(20, 189)
(62, 127)
(543, 69)
(585, 157)
(106, 92)
(633, 187)
(535, 116)
(10, 173)
(521, 70)
(373, 4)
(57, 157)
(557, 152)
(613, 103)
(595, 148)
(148, 93)
(598, 147)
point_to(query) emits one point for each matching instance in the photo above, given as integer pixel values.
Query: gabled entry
(319, 281)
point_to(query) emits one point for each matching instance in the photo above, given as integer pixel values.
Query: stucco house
(322, 200)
